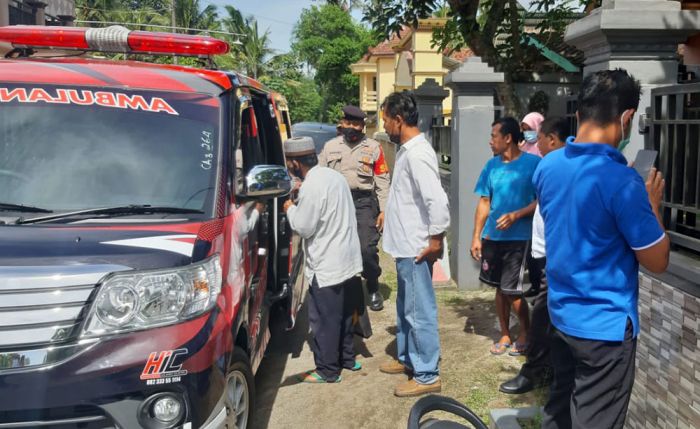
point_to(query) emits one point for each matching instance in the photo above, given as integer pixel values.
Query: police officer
(361, 161)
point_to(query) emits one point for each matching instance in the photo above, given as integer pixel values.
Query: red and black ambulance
(142, 241)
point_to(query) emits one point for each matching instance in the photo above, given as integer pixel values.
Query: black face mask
(352, 135)
(395, 138)
(297, 173)
(294, 172)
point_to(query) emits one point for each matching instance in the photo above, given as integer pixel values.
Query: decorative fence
(675, 133)
(666, 391)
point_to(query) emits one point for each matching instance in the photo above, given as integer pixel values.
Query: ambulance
(142, 243)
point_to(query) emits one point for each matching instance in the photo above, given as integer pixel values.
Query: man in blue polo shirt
(601, 222)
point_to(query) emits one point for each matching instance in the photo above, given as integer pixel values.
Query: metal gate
(571, 106)
(442, 141)
(674, 131)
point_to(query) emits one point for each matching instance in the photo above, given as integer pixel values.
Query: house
(401, 62)
(28, 12)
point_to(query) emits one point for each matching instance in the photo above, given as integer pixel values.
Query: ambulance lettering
(20, 94)
(106, 99)
(87, 98)
(135, 102)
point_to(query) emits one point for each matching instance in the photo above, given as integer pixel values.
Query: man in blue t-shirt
(503, 227)
(600, 221)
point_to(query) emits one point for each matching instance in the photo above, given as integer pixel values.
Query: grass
(468, 326)
(535, 423)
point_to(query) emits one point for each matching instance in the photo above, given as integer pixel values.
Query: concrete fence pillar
(4, 12)
(429, 98)
(40, 14)
(473, 86)
(641, 36)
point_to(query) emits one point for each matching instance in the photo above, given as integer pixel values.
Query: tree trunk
(509, 99)
(481, 42)
(323, 111)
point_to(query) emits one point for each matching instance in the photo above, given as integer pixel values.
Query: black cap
(353, 113)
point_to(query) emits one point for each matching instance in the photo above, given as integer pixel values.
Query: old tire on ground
(239, 395)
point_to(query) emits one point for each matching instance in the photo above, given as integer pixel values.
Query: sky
(279, 16)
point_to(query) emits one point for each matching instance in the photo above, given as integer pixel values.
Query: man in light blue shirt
(601, 221)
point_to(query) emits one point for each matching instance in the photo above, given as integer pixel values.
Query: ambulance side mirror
(266, 182)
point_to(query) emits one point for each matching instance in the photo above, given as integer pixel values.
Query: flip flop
(499, 348)
(518, 349)
(356, 367)
(315, 377)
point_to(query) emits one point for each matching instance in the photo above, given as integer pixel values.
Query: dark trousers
(592, 382)
(331, 327)
(537, 367)
(367, 211)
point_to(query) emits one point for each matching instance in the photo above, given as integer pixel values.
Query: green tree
(286, 77)
(95, 10)
(143, 17)
(327, 39)
(346, 5)
(249, 48)
(480, 24)
(190, 14)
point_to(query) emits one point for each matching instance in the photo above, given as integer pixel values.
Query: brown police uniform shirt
(362, 164)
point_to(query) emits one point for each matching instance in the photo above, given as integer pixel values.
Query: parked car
(142, 241)
(318, 131)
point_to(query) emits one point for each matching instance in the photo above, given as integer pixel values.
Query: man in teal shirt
(503, 227)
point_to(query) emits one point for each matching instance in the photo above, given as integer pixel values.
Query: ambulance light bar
(111, 39)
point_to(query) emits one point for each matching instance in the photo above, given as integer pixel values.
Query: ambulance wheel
(240, 392)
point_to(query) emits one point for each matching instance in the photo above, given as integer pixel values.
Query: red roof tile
(460, 55)
(385, 48)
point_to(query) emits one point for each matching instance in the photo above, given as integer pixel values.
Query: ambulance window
(270, 139)
(287, 122)
(250, 145)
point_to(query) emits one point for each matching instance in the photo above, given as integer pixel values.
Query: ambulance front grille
(42, 309)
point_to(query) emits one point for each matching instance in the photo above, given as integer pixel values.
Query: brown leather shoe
(413, 388)
(393, 367)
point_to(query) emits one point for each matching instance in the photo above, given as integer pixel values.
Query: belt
(357, 193)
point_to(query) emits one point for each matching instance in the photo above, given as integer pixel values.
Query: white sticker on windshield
(208, 150)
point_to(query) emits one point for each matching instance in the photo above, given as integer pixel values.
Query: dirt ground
(365, 399)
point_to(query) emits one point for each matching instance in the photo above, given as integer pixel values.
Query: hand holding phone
(644, 162)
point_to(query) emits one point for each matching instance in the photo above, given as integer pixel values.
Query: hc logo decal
(163, 364)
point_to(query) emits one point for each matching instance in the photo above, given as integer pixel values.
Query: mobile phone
(644, 162)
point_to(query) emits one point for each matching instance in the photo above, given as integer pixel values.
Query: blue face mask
(530, 136)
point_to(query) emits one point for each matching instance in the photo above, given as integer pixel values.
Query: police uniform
(364, 167)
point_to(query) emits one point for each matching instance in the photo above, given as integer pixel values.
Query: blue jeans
(417, 337)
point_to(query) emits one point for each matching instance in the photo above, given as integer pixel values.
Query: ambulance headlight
(134, 300)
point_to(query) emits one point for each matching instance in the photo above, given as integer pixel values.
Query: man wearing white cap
(324, 215)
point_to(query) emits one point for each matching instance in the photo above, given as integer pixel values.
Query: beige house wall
(385, 84)
(427, 63)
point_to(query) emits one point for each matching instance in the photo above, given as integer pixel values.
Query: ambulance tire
(239, 396)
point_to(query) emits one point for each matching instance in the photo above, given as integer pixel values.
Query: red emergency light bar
(111, 39)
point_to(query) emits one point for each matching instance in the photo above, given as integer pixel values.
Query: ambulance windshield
(70, 149)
